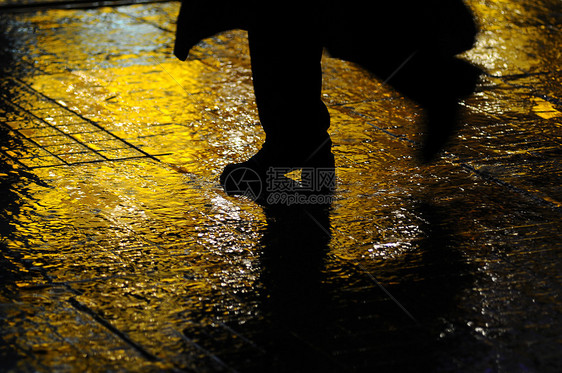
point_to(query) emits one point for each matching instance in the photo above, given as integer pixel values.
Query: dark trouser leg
(287, 80)
(287, 75)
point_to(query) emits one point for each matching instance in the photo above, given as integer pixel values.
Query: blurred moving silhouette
(409, 44)
(412, 45)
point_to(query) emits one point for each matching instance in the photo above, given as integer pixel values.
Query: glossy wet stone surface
(120, 251)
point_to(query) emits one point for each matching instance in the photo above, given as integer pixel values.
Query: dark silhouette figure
(409, 44)
(294, 303)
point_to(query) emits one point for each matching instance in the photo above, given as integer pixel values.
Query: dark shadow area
(436, 288)
(9, 174)
(10, 273)
(295, 304)
(14, 271)
(316, 319)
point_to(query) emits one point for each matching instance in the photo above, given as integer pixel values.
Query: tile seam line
(533, 92)
(32, 140)
(226, 293)
(94, 161)
(75, 5)
(462, 165)
(466, 167)
(93, 123)
(205, 351)
(512, 188)
(141, 20)
(16, 160)
(79, 306)
(106, 324)
(366, 272)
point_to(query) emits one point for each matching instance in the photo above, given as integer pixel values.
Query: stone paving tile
(120, 252)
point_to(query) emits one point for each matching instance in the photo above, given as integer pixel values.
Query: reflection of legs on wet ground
(287, 80)
(294, 297)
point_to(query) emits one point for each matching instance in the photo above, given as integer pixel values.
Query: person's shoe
(264, 172)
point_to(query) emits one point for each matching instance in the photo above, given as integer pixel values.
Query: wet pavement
(120, 251)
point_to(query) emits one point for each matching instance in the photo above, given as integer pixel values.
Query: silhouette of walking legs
(408, 44)
(287, 78)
